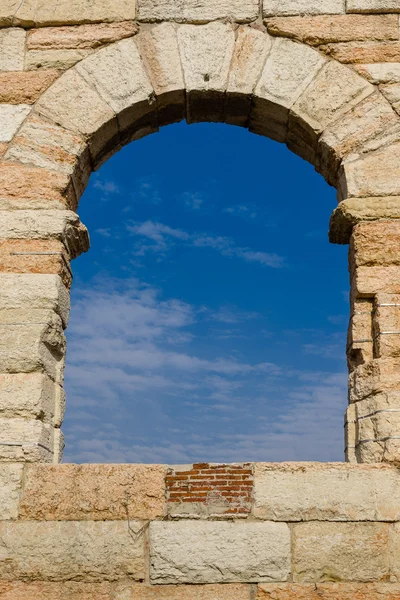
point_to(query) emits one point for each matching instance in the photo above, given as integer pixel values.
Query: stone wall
(78, 80)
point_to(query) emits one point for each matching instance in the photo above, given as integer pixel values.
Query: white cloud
(193, 200)
(108, 187)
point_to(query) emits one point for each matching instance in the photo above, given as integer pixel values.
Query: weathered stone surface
(328, 591)
(94, 492)
(289, 69)
(302, 7)
(25, 187)
(11, 118)
(194, 11)
(35, 292)
(10, 487)
(391, 92)
(378, 73)
(326, 492)
(378, 418)
(365, 176)
(126, 591)
(379, 376)
(367, 281)
(160, 53)
(79, 37)
(325, 552)
(118, 75)
(251, 50)
(70, 12)
(206, 54)
(25, 441)
(69, 590)
(54, 59)
(63, 225)
(80, 551)
(25, 87)
(31, 396)
(376, 243)
(364, 52)
(373, 6)
(218, 552)
(326, 29)
(354, 210)
(75, 105)
(12, 49)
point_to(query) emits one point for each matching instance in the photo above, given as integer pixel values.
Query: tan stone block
(375, 377)
(251, 50)
(31, 396)
(333, 92)
(22, 87)
(391, 92)
(86, 552)
(373, 6)
(380, 73)
(25, 187)
(75, 105)
(54, 59)
(118, 75)
(7, 10)
(387, 325)
(10, 488)
(288, 71)
(93, 492)
(11, 118)
(375, 243)
(69, 590)
(79, 37)
(325, 552)
(218, 552)
(350, 435)
(374, 174)
(326, 492)
(328, 591)
(12, 49)
(62, 225)
(330, 29)
(193, 11)
(34, 292)
(159, 50)
(3, 148)
(22, 440)
(378, 419)
(363, 52)
(302, 7)
(206, 54)
(70, 12)
(133, 591)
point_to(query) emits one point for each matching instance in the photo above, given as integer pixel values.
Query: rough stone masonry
(78, 80)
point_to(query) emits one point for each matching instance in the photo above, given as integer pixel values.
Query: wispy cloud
(109, 188)
(193, 200)
(244, 211)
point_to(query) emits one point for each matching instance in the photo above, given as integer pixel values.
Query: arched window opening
(208, 320)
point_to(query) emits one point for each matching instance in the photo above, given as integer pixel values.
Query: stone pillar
(373, 349)
(35, 252)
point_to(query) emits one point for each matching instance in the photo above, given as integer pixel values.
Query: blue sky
(209, 317)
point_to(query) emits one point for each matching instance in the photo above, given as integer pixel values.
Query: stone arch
(286, 90)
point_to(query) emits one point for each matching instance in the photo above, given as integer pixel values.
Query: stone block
(394, 548)
(363, 52)
(193, 11)
(12, 49)
(387, 325)
(328, 591)
(251, 50)
(378, 419)
(75, 105)
(324, 552)
(133, 591)
(118, 75)
(206, 54)
(374, 174)
(68, 590)
(375, 377)
(391, 92)
(319, 30)
(31, 396)
(10, 488)
(23, 440)
(376, 243)
(350, 435)
(360, 347)
(11, 118)
(79, 37)
(216, 552)
(25, 187)
(25, 87)
(71, 12)
(93, 493)
(373, 6)
(302, 7)
(34, 292)
(326, 492)
(159, 50)
(54, 59)
(72, 551)
(380, 73)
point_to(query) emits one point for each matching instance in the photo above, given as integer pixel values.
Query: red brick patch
(222, 489)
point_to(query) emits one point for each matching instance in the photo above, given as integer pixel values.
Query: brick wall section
(228, 489)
